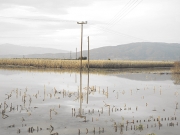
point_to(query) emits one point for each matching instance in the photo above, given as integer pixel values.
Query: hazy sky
(53, 23)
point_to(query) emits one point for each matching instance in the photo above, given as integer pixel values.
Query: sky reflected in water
(45, 99)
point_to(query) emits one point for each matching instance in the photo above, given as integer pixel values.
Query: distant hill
(132, 51)
(138, 51)
(13, 50)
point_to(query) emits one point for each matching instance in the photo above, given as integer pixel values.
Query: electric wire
(135, 4)
(122, 11)
(120, 15)
(128, 11)
(115, 32)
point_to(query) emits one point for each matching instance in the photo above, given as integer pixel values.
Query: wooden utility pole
(81, 37)
(80, 95)
(70, 55)
(88, 73)
(76, 53)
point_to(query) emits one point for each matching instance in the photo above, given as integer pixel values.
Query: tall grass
(128, 64)
(176, 68)
(176, 72)
(52, 63)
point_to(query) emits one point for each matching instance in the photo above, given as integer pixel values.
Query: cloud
(44, 22)
(9, 27)
(47, 6)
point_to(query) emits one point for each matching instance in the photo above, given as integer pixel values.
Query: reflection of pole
(44, 92)
(75, 78)
(88, 73)
(80, 110)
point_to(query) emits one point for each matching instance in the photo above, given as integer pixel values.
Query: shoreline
(155, 70)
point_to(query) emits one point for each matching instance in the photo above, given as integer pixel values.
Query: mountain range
(10, 49)
(131, 51)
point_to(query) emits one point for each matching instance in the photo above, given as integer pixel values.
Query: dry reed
(176, 68)
(176, 72)
(52, 63)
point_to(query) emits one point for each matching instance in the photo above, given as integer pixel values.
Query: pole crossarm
(82, 22)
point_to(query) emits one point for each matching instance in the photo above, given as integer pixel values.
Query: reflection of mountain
(8, 72)
(132, 74)
(146, 76)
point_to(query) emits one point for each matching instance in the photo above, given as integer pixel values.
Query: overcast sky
(53, 23)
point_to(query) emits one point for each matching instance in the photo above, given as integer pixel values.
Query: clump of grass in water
(140, 127)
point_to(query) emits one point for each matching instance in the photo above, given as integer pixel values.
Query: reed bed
(176, 72)
(128, 64)
(176, 68)
(55, 63)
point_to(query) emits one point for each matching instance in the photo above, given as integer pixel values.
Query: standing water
(36, 102)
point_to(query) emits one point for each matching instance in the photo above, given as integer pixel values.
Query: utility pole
(76, 53)
(80, 95)
(88, 52)
(88, 73)
(70, 55)
(81, 37)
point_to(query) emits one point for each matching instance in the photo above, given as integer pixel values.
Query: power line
(118, 33)
(119, 12)
(119, 16)
(125, 11)
(122, 11)
(97, 27)
(124, 14)
(128, 11)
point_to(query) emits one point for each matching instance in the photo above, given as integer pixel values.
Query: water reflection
(146, 76)
(117, 105)
(85, 70)
(142, 74)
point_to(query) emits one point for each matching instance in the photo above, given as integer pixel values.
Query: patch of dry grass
(176, 68)
(176, 72)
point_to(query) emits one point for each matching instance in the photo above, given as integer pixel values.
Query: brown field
(55, 63)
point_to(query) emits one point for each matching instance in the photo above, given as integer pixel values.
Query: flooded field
(50, 103)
